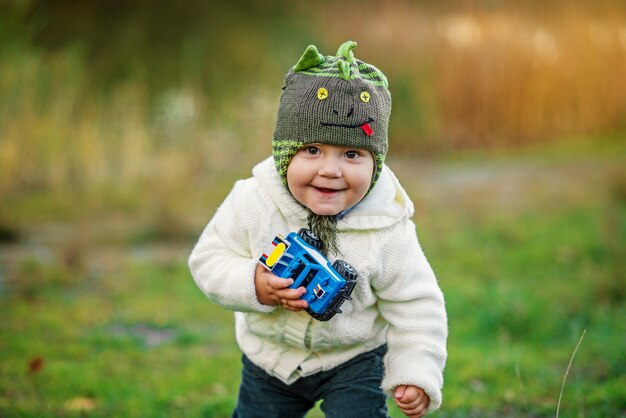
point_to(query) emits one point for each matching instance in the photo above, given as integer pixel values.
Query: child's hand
(272, 290)
(411, 400)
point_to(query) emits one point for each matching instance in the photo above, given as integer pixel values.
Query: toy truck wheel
(345, 270)
(310, 238)
(349, 273)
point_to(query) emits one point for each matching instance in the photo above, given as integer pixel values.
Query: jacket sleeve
(411, 301)
(221, 262)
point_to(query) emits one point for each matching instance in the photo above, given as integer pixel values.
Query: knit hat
(336, 100)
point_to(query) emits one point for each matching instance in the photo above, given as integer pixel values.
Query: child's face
(328, 179)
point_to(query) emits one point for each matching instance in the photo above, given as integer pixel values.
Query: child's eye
(312, 150)
(352, 154)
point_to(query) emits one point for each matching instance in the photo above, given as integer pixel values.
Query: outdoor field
(123, 127)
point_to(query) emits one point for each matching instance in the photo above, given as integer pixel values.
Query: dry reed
(461, 77)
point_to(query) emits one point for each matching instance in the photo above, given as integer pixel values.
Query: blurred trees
(110, 89)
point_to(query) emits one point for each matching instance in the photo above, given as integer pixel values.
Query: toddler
(327, 173)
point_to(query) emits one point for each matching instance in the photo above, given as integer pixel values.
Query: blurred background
(123, 124)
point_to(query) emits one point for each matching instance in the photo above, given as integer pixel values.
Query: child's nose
(329, 168)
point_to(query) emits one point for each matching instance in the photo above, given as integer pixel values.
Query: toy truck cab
(297, 256)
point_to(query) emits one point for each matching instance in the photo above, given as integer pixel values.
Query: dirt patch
(509, 185)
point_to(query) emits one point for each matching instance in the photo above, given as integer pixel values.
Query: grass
(140, 343)
(98, 322)
(569, 366)
(516, 310)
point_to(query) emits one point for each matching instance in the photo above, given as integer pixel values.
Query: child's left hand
(411, 400)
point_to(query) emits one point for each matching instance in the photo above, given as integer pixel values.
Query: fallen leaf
(35, 365)
(80, 404)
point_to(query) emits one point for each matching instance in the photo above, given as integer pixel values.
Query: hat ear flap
(310, 58)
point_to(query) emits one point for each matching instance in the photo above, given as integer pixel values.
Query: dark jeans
(350, 390)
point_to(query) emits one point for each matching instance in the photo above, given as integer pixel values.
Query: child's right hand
(273, 290)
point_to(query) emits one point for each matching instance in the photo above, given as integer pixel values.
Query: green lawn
(99, 319)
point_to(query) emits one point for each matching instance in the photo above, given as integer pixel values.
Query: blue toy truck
(297, 256)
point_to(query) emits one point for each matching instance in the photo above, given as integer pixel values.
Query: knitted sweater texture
(396, 301)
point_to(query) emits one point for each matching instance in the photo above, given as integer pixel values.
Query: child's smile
(328, 179)
(324, 190)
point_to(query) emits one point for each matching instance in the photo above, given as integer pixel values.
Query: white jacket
(396, 300)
